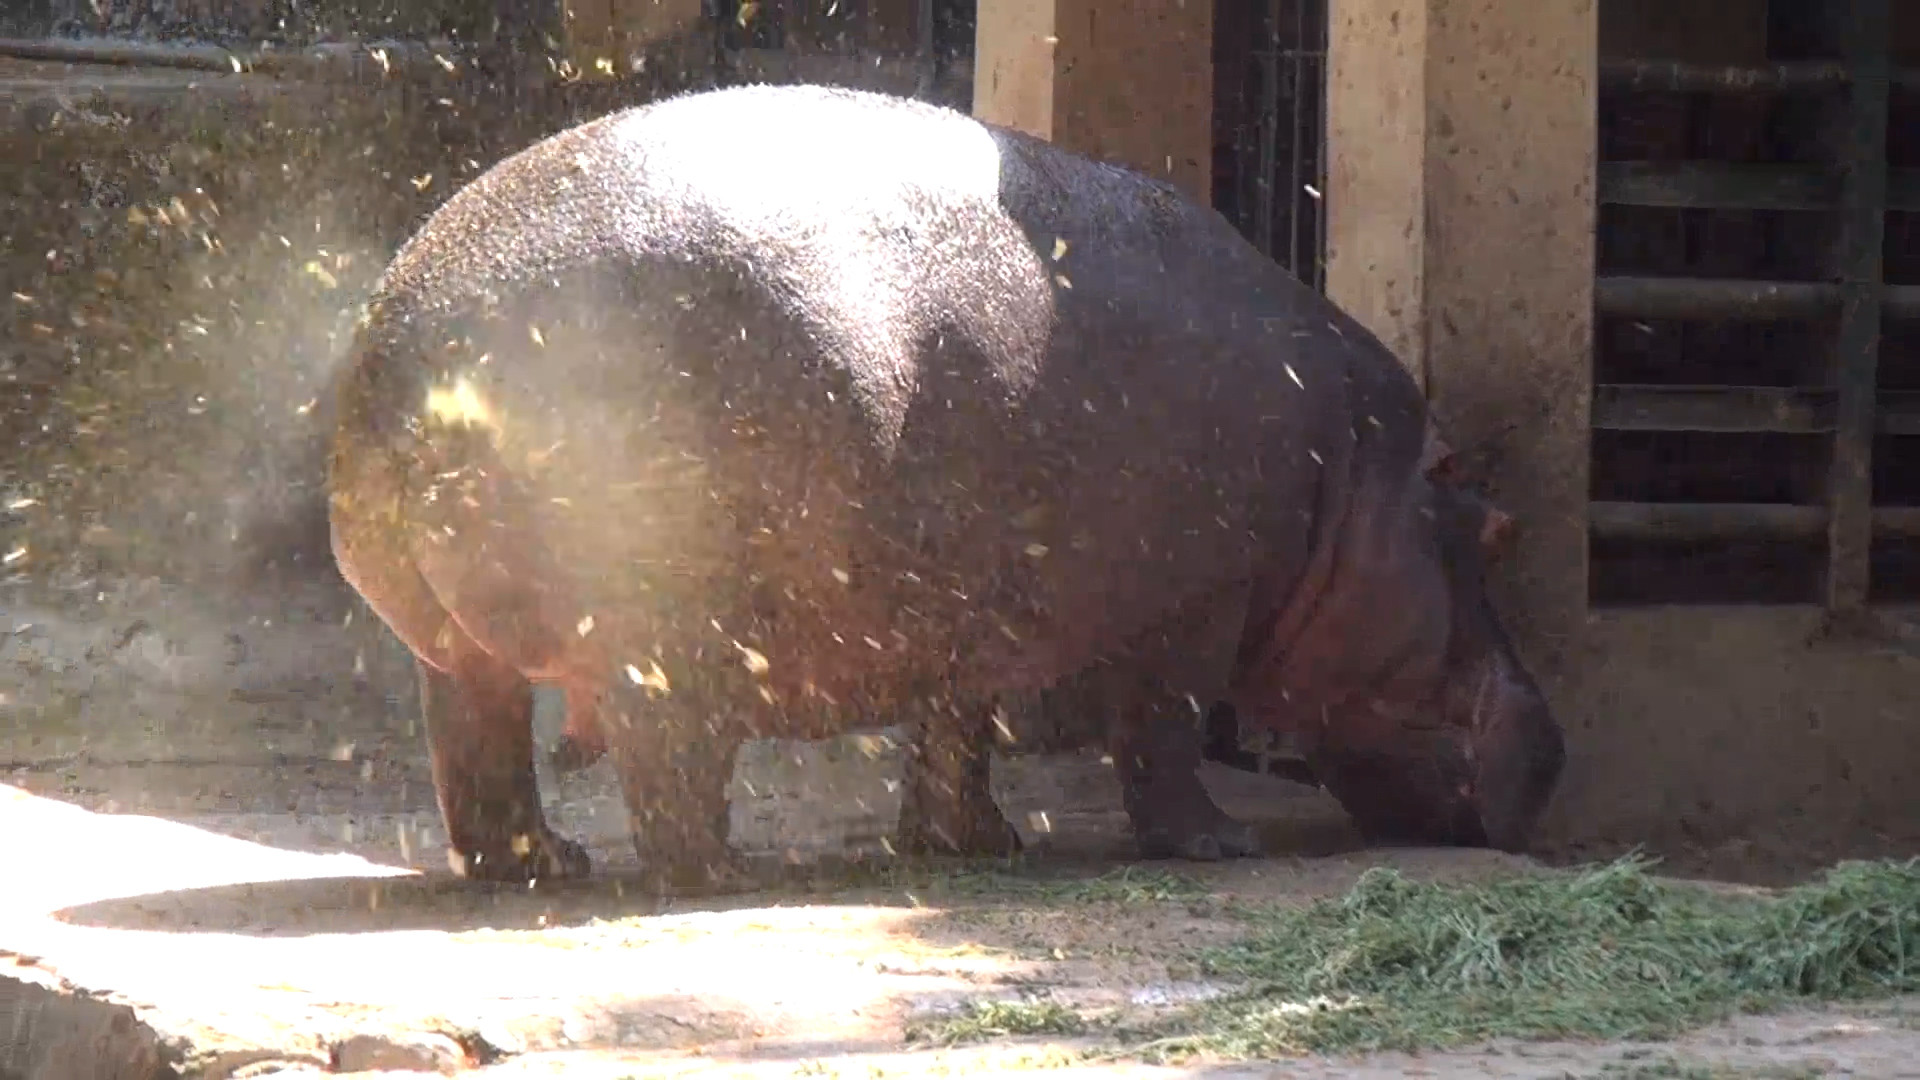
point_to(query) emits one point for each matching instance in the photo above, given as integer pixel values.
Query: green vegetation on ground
(980, 1020)
(1609, 952)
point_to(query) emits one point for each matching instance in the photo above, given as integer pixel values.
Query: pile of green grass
(1608, 953)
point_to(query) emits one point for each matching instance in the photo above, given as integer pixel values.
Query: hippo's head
(1438, 734)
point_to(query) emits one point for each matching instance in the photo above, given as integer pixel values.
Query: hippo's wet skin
(778, 411)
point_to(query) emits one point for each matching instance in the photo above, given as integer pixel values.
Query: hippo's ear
(1496, 532)
(1437, 459)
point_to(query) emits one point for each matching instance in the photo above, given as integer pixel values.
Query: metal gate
(1757, 355)
(1270, 64)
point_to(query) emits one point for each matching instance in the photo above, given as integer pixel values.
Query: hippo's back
(893, 358)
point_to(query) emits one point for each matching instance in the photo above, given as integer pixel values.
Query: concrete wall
(185, 252)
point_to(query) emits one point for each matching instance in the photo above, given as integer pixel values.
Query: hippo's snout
(1518, 770)
(1481, 780)
(1518, 753)
(1420, 788)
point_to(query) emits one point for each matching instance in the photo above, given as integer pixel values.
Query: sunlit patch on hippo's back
(457, 403)
(879, 147)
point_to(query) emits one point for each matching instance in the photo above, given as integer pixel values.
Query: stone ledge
(57, 1031)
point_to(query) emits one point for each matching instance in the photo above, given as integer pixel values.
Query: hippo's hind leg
(948, 804)
(479, 714)
(584, 741)
(674, 752)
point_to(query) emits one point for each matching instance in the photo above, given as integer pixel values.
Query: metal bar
(1692, 78)
(1710, 522)
(127, 53)
(1321, 23)
(1704, 521)
(1715, 186)
(1711, 298)
(1898, 413)
(1702, 185)
(929, 58)
(1896, 522)
(1268, 149)
(1619, 407)
(1787, 410)
(323, 60)
(1792, 76)
(1295, 150)
(1857, 356)
(1903, 190)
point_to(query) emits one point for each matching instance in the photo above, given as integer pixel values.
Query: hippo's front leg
(479, 716)
(948, 803)
(1155, 735)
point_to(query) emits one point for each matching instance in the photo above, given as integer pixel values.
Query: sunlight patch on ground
(242, 938)
(76, 856)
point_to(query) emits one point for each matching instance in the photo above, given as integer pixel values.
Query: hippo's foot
(1212, 839)
(693, 865)
(1174, 817)
(682, 841)
(1156, 757)
(540, 856)
(948, 805)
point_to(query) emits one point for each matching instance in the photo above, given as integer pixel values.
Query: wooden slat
(1716, 186)
(1673, 76)
(1710, 522)
(1726, 409)
(1711, 298)
(1857, 356)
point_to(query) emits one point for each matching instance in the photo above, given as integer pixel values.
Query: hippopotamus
(779, 411)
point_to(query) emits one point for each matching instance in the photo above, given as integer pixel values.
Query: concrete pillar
(1127, 81)
(1462, 148)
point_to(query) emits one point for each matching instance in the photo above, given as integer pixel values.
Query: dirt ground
(278, 906)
